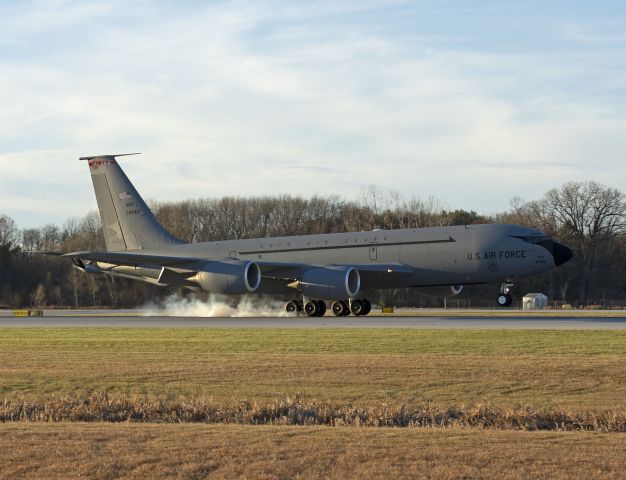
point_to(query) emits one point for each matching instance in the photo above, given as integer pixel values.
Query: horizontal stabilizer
(52, 254)
(92, 157)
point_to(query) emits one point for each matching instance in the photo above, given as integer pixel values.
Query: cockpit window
(536, 239)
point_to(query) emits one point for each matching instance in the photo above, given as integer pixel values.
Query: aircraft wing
(369, 273)
(137, 259)
(273, 270)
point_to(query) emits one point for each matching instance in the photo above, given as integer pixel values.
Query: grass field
(576, 370)
(173, 371)
(132, 451)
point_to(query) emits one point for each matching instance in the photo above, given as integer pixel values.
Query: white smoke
(216, 306)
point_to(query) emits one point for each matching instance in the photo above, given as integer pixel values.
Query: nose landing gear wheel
(505, 300)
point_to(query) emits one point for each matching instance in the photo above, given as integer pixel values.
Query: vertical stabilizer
(127, 222)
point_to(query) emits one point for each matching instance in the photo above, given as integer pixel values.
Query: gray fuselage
(456, 255)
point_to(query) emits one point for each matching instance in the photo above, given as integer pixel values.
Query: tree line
(588, 217)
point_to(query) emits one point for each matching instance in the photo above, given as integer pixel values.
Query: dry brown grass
(573, 380)
(579, 371)
(300, 411)
(148, 451)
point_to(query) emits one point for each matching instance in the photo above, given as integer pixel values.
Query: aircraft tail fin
(127, 222)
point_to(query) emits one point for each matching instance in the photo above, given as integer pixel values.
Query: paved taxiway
(488, 321)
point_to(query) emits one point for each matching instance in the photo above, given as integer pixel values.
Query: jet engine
(331, 283)
(229, 277)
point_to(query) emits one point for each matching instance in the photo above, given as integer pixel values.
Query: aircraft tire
(356, 307)
(505, 300)
(367, 307)
(292, 307)
(321, 308)
(338, 308)
(311, 308)
(346, 309)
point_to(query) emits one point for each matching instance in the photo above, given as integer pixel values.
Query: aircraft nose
(561, 253)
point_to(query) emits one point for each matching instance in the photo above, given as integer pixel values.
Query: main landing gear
(317, 308)
(505, 299)
(360, 307)
(312, 308)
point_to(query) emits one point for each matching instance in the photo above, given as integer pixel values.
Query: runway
(473, 320)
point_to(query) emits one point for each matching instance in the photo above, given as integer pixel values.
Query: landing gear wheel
(505, 300)
(311, 308)
(367, 306)
(321, 308)
(338, 309)
(504, 297)
(346, 309)
(292, 307)
(356, 307)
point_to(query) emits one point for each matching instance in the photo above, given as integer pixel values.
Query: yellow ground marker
(28, 313)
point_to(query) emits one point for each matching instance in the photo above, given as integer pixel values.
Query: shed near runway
(534, 301)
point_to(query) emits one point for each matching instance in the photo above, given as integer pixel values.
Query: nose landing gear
(505, 299)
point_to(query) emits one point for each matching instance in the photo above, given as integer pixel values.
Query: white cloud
(261, 98)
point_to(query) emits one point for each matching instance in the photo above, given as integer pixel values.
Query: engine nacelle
(233, 277)
(331, 283)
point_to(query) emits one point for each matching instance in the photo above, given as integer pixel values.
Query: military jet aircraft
(310, 271)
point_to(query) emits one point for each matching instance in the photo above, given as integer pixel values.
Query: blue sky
(471, 102)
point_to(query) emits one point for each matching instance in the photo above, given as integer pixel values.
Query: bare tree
(8, 230)
(591, 214)
(38, 296)
(50, 237)
(31, 239)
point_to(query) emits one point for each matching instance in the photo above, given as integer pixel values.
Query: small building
(534, 301)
